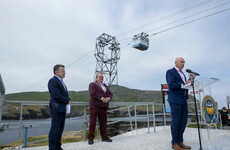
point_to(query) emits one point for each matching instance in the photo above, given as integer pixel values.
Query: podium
(201, 84)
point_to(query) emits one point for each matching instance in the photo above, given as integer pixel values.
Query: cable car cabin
(141, 42)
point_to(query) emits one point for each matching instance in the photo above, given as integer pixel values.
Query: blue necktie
(63, 84)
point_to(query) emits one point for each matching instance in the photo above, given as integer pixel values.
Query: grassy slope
(122, 94)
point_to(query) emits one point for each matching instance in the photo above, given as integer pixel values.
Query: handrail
(128, 106)
(86, 105)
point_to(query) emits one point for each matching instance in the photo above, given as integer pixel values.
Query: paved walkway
(141, 140)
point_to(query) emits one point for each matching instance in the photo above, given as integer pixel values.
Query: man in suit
(59, 98)
(177, 98)
(100, 96)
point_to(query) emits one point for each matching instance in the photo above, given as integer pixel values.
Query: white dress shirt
(102, 86)
(180, 73)
(61, 82)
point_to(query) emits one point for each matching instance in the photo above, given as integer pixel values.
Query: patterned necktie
(182, 75)
(63, 84)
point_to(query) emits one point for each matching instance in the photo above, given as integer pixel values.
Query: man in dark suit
(59, 98)
(177, 98)
(100, 96)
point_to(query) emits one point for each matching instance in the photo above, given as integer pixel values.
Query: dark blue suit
(177, 98)
(58, 99)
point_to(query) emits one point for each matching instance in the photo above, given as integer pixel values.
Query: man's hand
(106, 100)
(191, 76)
(69, 102)
(188, 81)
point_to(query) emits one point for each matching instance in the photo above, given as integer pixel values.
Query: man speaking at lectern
(177, 98)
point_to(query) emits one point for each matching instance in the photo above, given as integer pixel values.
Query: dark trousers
(101, 113)
(179, 115)
(56, 129)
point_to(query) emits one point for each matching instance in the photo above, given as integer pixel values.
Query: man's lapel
(178, 75)
(99, 86)
(59, 82)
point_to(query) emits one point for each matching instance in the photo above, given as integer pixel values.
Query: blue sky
(36, 35)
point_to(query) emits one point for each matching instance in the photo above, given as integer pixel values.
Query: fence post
(20, 127)
(154, 119)
(130, 119)
(164, 115)
(147, 109)
(85, 122)
(25, 141)
(135, 111)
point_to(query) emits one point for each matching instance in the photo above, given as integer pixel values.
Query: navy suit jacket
(96, 93)
(59, 97)
(176, 94)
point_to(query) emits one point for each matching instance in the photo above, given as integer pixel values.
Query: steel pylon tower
(107, 54)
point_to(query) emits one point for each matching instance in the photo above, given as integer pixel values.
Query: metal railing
(128, 106)
(131, 107)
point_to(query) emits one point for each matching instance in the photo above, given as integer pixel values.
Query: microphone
(190, 71)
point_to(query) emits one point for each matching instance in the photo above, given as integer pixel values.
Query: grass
(122, 94)
(203, 126)
(70, 138)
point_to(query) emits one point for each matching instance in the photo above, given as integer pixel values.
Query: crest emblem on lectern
(209, 111)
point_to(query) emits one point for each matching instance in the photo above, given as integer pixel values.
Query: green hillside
(133, 95)
(28, 96)
(121, 93)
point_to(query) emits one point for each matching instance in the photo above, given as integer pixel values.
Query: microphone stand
(198, 125)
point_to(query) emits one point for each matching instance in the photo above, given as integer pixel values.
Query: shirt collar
(58, 77)
(179, 70)
(100, 83)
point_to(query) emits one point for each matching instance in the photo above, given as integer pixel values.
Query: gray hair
(178, 58)
(98, 74)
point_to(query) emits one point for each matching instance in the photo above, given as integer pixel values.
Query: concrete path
(161, 140)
